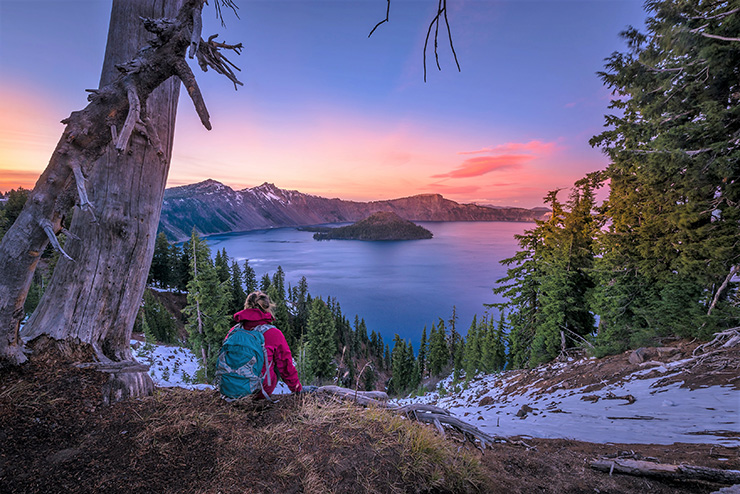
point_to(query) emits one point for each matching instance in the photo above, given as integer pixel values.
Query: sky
(329, 111)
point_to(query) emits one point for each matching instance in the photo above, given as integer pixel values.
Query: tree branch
(188, 79)
(209, 56)
(441, 12)
(85, 204)
(134, 112)
(46, 226)
(387, 15)
(722, 287)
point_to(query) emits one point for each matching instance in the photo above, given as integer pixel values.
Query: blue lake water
(397, 287)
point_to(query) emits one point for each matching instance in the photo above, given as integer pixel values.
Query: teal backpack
(240, 362)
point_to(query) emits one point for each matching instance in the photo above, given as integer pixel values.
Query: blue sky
(327, 110)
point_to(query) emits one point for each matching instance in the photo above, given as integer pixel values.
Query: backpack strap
(263, 328)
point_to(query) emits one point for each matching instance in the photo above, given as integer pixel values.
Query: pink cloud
(536, 147)
(475, 167)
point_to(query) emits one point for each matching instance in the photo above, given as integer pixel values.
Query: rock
(733, 489)
(591, 398)
(641, 355)
(487, 400)
(524, 411)
(667, 351)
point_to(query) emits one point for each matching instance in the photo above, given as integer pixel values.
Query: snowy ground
(172, 366)
(657, 414)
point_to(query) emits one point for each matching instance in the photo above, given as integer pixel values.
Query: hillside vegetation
(379, 226)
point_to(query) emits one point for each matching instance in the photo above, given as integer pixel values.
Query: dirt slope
(55, 436)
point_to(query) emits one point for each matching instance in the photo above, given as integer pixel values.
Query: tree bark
(126, 220)
(666, 471)
(95, 299)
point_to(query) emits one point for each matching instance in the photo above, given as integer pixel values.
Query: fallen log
(666, 471)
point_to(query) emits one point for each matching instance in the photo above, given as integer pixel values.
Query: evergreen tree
(321, 343)
(278, 281)
(207, 305)
(250, 278)
(161, 270)
(399, 379)
(422, 360)
(473, 354)
(237, 292)
(670, 252)
(265, 282)
(222, 266)
(439, 355)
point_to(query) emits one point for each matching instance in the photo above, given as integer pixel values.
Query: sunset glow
(347, 116)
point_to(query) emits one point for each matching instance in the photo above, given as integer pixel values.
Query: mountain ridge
(212, 207)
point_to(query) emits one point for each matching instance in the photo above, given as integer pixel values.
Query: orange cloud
(475, 167)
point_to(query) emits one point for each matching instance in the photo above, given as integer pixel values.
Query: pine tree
(423, 354)
(207, 305)
(160, 272)
(250, 278)
(321, 344)
(673, 218)
(222, 266)
(278, 281)
(265, 282)
(439, 355)
(473, 354)
(237, 292)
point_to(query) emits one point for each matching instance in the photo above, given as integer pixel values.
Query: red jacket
(278, 351)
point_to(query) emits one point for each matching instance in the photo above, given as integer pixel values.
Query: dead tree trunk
(94, 297)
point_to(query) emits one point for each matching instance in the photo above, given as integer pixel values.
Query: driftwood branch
(666, 471)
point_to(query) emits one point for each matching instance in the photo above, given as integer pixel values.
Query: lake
(396, 286)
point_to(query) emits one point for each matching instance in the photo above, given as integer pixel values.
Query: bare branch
(441, 12)
(151, 133)
(46, 226)
(209, 56)
(225, 3)
(714, 36)
(134, 111)
(85, 204)
(188, 79)
(722, 288)
(718, 16)
(387, 14)
(197, 30)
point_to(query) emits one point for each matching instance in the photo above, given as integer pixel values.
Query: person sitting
(258, 311)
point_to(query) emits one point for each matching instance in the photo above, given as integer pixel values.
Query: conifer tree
(265, 282)
(473, 354)
(439, 355)
(250, 278)
(207, 307)
(321, 344)
(278, 280)
(237, 292)
(422, 360)
(222, 265)
(670, 252)
(160, 272)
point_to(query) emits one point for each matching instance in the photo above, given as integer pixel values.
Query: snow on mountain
(212, 207)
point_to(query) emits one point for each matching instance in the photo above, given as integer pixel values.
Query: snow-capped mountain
(212, 207)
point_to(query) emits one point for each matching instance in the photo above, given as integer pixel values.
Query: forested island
(383, 225)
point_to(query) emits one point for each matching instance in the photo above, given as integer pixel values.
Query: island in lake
(384, 225)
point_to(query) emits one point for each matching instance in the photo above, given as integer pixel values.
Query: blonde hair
(259, 300)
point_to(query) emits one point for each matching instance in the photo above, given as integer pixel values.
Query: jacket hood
(253, 315)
